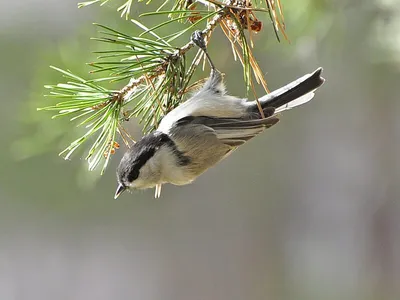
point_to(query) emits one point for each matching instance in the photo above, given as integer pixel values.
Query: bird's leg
(198, 40)
(215, 81)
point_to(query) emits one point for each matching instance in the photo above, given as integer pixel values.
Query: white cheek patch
(134, 184)
(150, 173)
(170, 170)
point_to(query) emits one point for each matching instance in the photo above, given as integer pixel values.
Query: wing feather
(232, 131)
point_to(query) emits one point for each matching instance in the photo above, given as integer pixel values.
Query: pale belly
(187, 174)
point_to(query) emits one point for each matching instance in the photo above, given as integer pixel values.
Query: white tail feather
(299, 101)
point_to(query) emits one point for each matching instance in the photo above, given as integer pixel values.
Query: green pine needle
(86, 3)
(96, 109)
(125, 9)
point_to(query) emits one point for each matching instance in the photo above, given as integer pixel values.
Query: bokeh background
(308, 210)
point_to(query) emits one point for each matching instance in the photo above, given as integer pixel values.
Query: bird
(205, 129)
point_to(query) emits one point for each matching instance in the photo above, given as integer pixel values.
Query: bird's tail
(295, 93)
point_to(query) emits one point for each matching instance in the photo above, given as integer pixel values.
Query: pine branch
(175, 55)
(156, 69)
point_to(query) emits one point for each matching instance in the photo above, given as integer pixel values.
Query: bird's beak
(120, 189)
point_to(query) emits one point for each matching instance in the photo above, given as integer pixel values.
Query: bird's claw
(198, 39)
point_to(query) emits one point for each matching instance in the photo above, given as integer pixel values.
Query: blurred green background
(308, 210)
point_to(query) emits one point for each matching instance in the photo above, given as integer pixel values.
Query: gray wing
(231, 131)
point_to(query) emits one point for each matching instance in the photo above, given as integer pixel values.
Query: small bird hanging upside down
(204, 130)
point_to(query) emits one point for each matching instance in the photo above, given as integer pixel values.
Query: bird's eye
(133, 175)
